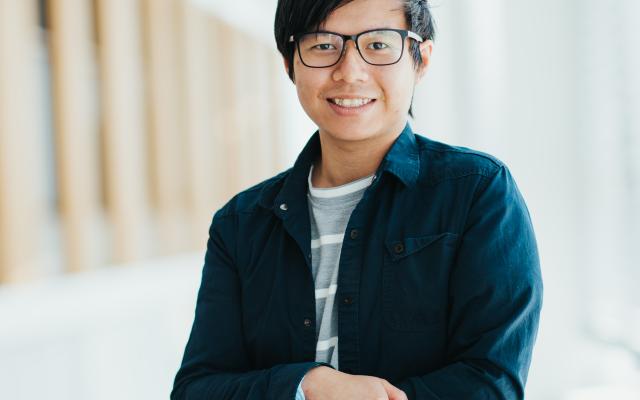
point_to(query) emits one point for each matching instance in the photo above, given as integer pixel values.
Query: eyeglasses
(323, 49)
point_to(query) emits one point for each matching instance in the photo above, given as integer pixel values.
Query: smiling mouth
(350, 103)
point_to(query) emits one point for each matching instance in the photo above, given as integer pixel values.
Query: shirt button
(374, 177)
(347, 300)
(307, 322)
(284, 207)
(398, 248)
(354, 233)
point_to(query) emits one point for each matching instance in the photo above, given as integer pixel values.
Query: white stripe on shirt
(320, 293)
(326, 344)
(326, 239)
(341, 190)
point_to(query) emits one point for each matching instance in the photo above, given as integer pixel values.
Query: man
(383, 264)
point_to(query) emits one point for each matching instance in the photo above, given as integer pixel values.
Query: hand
(324, 383)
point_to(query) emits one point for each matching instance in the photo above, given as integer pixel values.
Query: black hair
(296, 16)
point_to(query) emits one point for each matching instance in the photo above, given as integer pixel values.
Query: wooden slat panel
(165, 109)
(232, 136)
(247, 155)
(22, 210)
(277, 80)
(206, 161)
(123, 127)
(252, 110)
(258, 113)
(76, 127)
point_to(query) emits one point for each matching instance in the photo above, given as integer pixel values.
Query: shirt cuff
(299, 392)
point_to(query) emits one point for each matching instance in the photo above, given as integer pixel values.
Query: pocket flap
(401, 248)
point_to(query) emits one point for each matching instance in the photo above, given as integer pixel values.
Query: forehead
(360, 15)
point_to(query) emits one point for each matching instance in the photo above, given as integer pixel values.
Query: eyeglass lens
(379, 47)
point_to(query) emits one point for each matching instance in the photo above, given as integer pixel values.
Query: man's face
(389, 87)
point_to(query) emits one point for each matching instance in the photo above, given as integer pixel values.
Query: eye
(323, 46)
(378, 46)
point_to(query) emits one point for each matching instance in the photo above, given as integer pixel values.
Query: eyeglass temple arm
(412, 35)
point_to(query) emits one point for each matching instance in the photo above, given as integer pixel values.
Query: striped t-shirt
(329, 212)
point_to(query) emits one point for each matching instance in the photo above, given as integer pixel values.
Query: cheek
(398, 94)
(398, 87)
(306, 92)
(309, 86)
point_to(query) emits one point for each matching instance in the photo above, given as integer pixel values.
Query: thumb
(393, 392)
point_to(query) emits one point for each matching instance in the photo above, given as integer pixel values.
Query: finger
(393, 392)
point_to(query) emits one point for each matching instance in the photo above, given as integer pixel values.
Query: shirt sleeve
(495, 301)
(215, 350)
(299, 392)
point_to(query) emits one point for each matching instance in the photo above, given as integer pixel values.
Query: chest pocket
(415, 280)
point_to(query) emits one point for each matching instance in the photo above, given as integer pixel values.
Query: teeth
(351, 102)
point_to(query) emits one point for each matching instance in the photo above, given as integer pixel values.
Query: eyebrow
(319, 29)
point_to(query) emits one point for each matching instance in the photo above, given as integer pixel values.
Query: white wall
(117, 333)
(552, 89)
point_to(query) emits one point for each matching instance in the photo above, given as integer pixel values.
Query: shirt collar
(402, 160)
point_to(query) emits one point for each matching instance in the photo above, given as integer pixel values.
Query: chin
(353, 129)
(347, 133)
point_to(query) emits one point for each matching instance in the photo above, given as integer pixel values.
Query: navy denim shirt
(439, 286)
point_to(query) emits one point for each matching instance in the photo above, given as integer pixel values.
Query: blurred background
(125, 124)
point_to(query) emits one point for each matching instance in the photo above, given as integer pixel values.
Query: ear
(426, 48)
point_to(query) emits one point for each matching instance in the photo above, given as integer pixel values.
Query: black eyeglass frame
(403, 32)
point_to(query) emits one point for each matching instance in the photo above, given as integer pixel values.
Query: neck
(342, 162)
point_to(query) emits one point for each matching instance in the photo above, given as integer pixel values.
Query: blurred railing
(123, 125)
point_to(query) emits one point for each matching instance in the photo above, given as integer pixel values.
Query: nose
(351, 68)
